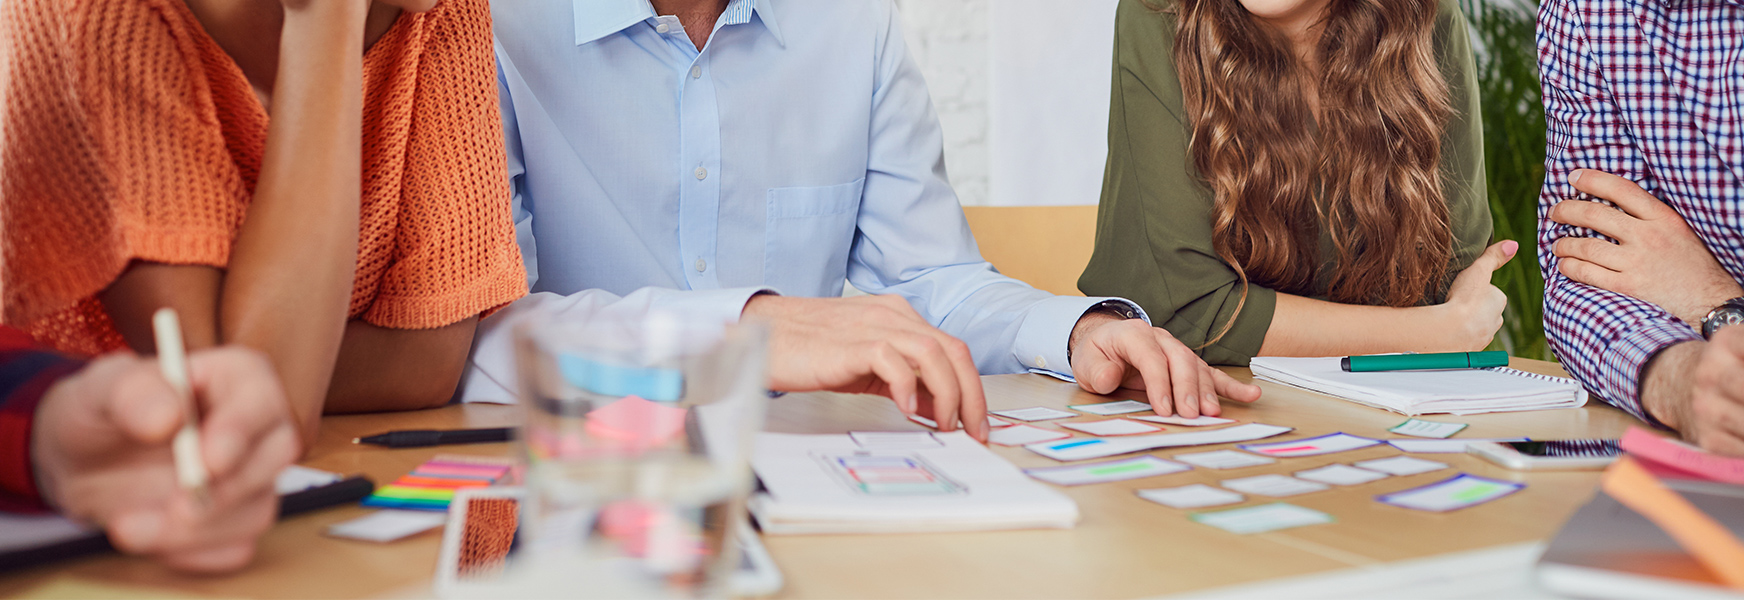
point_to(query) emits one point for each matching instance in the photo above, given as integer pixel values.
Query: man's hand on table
(1697, 388)
(101, 449)
(872, 345)
(1657, 257)
(1110, 352)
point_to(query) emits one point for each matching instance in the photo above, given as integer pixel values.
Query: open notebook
(1459, 392)
(896, 482)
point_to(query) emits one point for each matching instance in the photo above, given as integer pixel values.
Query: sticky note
(1263, 518)
(1456, 493)
(607, 379)
(1441, 446)
(1224, 459)
(1020, 435)
(1108, 409)
(1072, 450)
(886, 440)
(1401, 465)
(1103, 472)
(1197, 495)
(1326, 444)
(1683, 457)
(1709, 541)
(1276, 486)
(432, 485)
(1341, 475)
(1110, 427)
(1037, 413)
(388, 525)
(1185, 422)
(992, 421)
(635, 424)
(1427, 429)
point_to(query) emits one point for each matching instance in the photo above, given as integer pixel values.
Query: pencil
(172, 357)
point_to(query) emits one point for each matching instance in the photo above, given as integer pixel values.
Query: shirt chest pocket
(810, 232)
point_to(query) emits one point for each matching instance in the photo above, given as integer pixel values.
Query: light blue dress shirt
(799, 147)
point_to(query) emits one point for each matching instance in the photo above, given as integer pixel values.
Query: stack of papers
(1412, 393)
(830, 484)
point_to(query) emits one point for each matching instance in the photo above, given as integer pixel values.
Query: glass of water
(637, 442)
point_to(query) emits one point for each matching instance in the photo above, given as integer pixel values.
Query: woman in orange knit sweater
(140, 170)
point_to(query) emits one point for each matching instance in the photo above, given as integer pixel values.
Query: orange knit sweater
(130, 135)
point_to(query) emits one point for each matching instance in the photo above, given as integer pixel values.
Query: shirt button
(701, 265)
(1041, 362)
(662, 28)
(701, 174)
(696, 72)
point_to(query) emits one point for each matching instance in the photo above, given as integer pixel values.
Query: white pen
(172, 356)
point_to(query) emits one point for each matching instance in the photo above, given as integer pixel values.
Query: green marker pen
(1420, 362)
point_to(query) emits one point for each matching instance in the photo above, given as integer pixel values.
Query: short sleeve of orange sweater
(130, 135)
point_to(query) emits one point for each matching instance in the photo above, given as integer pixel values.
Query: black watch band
(1725, 315)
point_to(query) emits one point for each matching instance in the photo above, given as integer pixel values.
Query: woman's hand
(1468, 321)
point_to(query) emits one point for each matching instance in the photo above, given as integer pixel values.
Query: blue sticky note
(606, 379)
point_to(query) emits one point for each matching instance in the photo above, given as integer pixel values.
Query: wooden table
(1123, 546)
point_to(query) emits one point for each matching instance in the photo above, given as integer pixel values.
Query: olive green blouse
(1153, 230)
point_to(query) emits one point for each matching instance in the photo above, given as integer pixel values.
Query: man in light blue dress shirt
(797, 148)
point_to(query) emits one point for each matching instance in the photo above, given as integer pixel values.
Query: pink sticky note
(636, 424)
(1683, 457)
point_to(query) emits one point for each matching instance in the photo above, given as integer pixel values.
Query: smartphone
(1549, 455)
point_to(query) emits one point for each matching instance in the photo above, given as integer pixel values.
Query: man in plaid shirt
(1642, 212)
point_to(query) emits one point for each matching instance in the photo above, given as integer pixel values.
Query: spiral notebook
(1412, 393)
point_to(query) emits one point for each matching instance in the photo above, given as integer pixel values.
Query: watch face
(1724, 316)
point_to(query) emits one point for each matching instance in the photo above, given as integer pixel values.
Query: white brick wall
(949, 39)
(1021, 87)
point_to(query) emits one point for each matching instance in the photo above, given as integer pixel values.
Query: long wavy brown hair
(1371, 173)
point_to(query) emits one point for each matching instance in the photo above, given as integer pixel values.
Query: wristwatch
(1114, 307)
(1730, 313)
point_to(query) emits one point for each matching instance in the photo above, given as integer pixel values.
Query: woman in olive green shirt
(1319, 192)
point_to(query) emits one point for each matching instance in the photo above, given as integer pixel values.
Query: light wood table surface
(1123, 546)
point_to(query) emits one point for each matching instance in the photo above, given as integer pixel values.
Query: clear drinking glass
(637, 442)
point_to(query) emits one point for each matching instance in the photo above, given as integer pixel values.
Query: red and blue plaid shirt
(1652, 91)
(26, 373)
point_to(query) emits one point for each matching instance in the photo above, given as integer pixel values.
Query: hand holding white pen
(172, 357)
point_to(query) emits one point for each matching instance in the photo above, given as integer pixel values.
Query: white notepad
(829, 484)
(1412, 393)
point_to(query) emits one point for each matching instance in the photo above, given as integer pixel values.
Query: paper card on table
(1326, 444)
(636, 424)
(1276, 486)
(1110, 427)
(1185, 422)
(1060, 376)
(1034, 413)
(1441, 446)
(1104, 472)
(296, 478)
(1224, 459)
(1020, 435)
(1708, 540)
(1108, 409)
(1341, 475)
(388, 525)
(1455, 493)
(1683, 457)
(895, 440)
(1402, 465)
(992, 421)
(1263, 518)
(1427, 429)
(1197, 495)
(1071, 450)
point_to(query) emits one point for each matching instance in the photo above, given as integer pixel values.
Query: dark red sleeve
(26, 373)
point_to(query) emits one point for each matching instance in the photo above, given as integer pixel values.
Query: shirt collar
(595, 19)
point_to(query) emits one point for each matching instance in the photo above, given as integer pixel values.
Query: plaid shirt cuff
(1625, 360)
(25, 376)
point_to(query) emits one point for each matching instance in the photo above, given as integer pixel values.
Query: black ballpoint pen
(434, 437)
